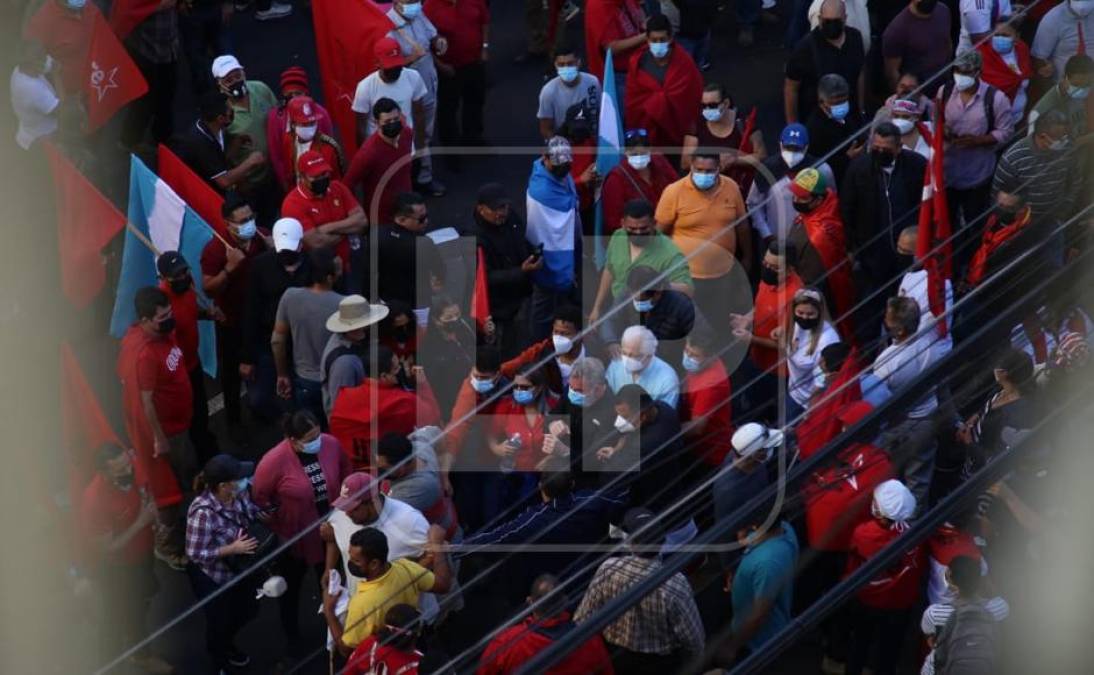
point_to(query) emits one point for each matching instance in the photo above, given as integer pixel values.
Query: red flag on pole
(66, 35)
(345, 32)
(934, 228)
(83, 424)
(112, 79)
(125, 15)
(193, 190)
(86, 222)
(480, 300)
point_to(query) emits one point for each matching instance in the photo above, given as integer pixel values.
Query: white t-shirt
(407, 90)
(899, 364)
(1057, 37)
(34, 102)
(802, 365)
(976, 18)
(406, 530)
(914, 285)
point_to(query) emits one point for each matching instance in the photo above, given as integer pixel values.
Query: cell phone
(537, 252)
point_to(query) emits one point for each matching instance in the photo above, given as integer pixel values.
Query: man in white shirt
(1060, 34)
(978, 18)
(910, 439)
(402, 85)
(33, 98)
(914, 285)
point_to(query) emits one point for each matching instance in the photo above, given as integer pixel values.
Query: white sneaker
(276, 11)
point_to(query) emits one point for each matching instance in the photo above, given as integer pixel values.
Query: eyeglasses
(635, 133)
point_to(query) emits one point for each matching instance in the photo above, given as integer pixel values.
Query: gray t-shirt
(1057, 37)
(345, 371)
(306, 312)
(556, 98)
(415, 35)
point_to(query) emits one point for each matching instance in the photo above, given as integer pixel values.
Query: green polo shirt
(253, 122)
(661, 254)
(1074, 109)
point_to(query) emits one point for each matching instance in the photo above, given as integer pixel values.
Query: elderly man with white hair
(588, 417)
(640, 365)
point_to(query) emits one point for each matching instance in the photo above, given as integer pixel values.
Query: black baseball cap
(493, 196)
(225, 468)
(171, 264)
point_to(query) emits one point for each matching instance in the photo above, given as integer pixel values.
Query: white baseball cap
(222, 65)
(287, 233)
(752, 437)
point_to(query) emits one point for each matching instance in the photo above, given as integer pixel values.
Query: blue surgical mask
(523, 396)
(411, 10)
(638, 162)
(643, 306)
(1002, 44)
(576, 397)
(246, 231)
(660, 49)
(1078, 93)
(567, 73)
(75, 4)
(481, 385)
(691, 364)
(242, 484)
(712, 114)
(703, 181)
(840, 110)
(312, 446)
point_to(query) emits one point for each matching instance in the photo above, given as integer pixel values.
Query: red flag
(66, 35)
(112, 78)
(84, 426)
(746, 136)
(197, 194)
(345, 32)
(125, 15)
(480, 301)
(821, 422)
(934, 226)
(86, 222)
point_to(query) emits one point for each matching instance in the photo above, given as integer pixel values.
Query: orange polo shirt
(692, 217)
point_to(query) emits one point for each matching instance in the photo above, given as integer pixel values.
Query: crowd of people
(530, 415)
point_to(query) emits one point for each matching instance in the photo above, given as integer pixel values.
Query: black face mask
(926, 6)
(238, 90)
(166, 326)
(769, 276)
(803, 207)
(180, 285)
(288, 258)
(905, 262)
(319, 186)
(392, 129)
(579, 132)
(807, 324)
(831, 29)
(356, 570)
(560, 171)
(401, 334)
(391, 74)
(639, 240)
(882, 159)
(1006, 216)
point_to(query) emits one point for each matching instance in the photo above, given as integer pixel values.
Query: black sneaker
(238, 659)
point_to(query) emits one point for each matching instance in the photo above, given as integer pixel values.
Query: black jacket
(873, 203)
(827, 135)
(591, 428)
(504, 249)
(267, 282)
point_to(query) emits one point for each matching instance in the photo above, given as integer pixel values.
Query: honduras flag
(552, 221)
(158, 217)
(609, 138)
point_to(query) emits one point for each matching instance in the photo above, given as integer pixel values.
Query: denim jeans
(308, 394)
(748, 12)
(798, 25)
(261, 390)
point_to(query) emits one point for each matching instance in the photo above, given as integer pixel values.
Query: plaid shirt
(665, 621)
(210, 525)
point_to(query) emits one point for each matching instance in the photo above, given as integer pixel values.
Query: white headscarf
(894, 501)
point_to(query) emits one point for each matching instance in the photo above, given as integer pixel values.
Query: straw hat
(355, 312)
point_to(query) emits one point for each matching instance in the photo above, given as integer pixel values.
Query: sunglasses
(636, 133)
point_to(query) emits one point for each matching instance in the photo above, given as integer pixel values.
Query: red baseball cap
(302, 110)
(312, 164)
(356, 488)
(388, 53)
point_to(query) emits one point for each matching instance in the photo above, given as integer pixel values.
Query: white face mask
(306, 134)
(792, 157)
(632, 365)
(562, 344)
(963, 82)
(638, 162)
(623, 425)
(903, 125)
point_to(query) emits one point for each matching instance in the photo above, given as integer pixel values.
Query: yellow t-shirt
(401, 584)
(692, 217)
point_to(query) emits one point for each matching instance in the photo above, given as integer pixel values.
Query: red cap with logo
(302, 110)
(312, 164)
(388, 53)
(356, 488)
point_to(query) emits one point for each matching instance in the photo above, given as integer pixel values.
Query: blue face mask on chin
(576, 397)
(643, 306)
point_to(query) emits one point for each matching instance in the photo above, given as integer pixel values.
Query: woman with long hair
(801, 344)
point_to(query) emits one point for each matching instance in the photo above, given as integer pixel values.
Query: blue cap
(796, 135)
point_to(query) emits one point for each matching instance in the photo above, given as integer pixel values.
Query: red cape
(837, 500)
(824, 227)
(999, 75)
(604, 24)
(666, 109)
(370, 410)
(824, 420)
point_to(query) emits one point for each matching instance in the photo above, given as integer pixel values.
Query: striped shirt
(936, 616)
(1046, 178)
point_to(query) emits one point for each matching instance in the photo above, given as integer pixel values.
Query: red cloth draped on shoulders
(998, 72)
(605, 22)
(666, 109)
(824, 227)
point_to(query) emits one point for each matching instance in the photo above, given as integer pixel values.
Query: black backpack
(989, 102)
(966, 645)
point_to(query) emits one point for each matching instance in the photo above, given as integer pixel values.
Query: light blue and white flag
(160, 215)
(552, 221)
(609, 136)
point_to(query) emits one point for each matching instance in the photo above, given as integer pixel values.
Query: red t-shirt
(107, 510)
(372, 658)
(371, 164)
(158, 365)
(461, 23)
(898, 587)
(772, 309)
(312, 212)
(517, 644)
(232, 296)
(837, 500)
(708, 391)
(185, 308)
(509, 419)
